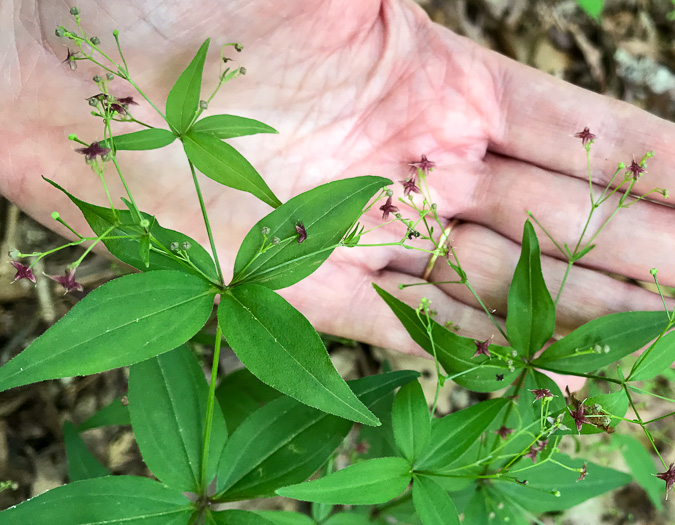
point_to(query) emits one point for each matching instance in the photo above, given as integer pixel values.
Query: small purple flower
(23, 272)
(118, 108)
(636, 169)
(409, 186)
(532, 454)
(126, 101)
(579, 417)
(93, 150)
(388, 208)
(669, 477)
(482, 348)
(503, 432)
(302, 234)
(68, 281)
(540, 393)
(586, 136)
(582, 476)
(423, 164)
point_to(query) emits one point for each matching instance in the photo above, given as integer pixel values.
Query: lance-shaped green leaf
(659, 359)
(183, 100)
(641, 465)
(432, 503)
(82, 464)
(327, 212)
(230, 126)
(279, 517)
(113, 414)
(454, 353)
(123, 500)
(237, 517)
(281, 348)
(530, 319)
(411, 421)
(453, 434)
(128, 250)
(167, 401)
(536, 496)
(123, 322)
(602, 341)
(221, 162)
(369, 482)
(351, 518)
(285, 442)
(145, 139)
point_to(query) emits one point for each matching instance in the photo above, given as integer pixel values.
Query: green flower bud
(145, 223)
(60, 31)
(116, 33)
(109, 76)
(14, 254)
(242, 70)
(55, 215)
(186, 246)
(434, 206)
(514, 353)
(95, 40)
(265, 230)
(606, 349)
(276, 241)
(509, 362)
(389, 193)
(653, 272)
(93, 101)
(96, 79)
(72, 136)
(650, 154)
(621, 166)
(174, 247)
(74, 11)
(203, 104)
(512, 369)
(597, 349)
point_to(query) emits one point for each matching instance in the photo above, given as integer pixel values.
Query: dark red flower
(669, 477)
(23, 272)
(424, 164)
(118, 108)
(586, 136)
(579, 417)
(93, 150)
(532, 454)
(409, 186)
(482, 348)
(68, 281)
(302, 234)
(125, 101)
(636, 169)
(388, 208)
(583, 473)
(503, 432)
(540, 393)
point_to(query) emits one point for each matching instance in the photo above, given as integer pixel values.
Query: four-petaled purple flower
(93, 150)
(669, 477)
(636, 169)
(409, 186)
(424, 164)
(125, 101)
(68, 281)
(586, 136)
(503, 432)
(302, 234)
(388, 208)
(482, 348)
(579, 417)
(582, 476)
(540, 393)
(23, 272)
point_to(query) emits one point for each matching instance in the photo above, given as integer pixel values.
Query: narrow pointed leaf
(327, 212)
(221, 162)
(432, 502)
(183, 100)
(113, 414)
(285, 442)
(530, 319)
(123, 500)
(280, 347)
(369, 482)
(411, 422)
(454, 353)
(82, 464)
(641, 464)
(623, 333)
(123, 322)
(236, 517)
(145, 139)
(229, 126)
(661, 357)
(167, 402)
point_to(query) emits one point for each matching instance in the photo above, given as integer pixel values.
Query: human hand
(365, 95)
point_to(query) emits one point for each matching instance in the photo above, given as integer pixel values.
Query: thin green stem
(642, 424)
(210, 407)
(562, 284)
(579, 374)
(487, 311)
(90, 247)
(531, 215)
(659, 418)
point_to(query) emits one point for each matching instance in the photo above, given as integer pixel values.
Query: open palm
(354, 88)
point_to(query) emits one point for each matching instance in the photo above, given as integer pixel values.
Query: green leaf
(549, 476)
(623, 333)
(659, 359)
(240, 393)
(128, 250)
(167, 400)
(237, 517)
(411, 421)
(530, 319)
(433, 503)
(369, 482)
(113, 414)
(126, 500)
(285, 442)
(123, 322)
(454, 353)
(82, 464)
(453, 434)
(279, 517)
(349, 518)
(222, 163)
(280, 347)
(145, 139)
(593, 8)
(641, 465)
(183, 100)
(230, 126)
(327, 213)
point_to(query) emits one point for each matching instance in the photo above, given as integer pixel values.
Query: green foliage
(82, 464)
(113, 414)
(145, 139)
(411, 422)
(641, 465)
(592, 8)
(432, 502)
(230, 126)
(661, 357)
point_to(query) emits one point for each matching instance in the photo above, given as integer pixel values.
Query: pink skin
(350, 95)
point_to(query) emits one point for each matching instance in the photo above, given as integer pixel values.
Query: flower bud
(606, 349)
(174, 247)
(621, 166)
(60, 31)
(512, 369)
(597, 349)
(203, 104)
(109, 76)
(650, 154)
(186, 246)
(95, 40)
(74, 11)
(238, 47)
(509, 362)
(145, 223)
(434, 206)
(116, 33)
(398, 215)
(276, 241)
(597, 407)
(605, 421)
(663, 191)
(96, 79)
(242, 70)
(514, 353)
(389, 193)
(265, 230)
(93, 101)
(653, 272)
(72, 136)
(14, 254)
(55, 215)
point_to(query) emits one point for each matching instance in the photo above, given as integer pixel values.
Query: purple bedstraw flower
(540, 393)
(93, 150)
(503, 432)
(409, 186)
(586, 136)
(23, 272)
(668, 476)
(482, 348)
(423, 164)
(388, 208)
(302, 234)
(636, 169)
(579, 417)
(68, 281)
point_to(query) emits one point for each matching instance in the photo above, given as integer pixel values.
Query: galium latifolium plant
(267, 428)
